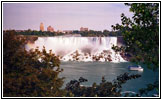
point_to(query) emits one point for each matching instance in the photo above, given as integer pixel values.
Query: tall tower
(41, 27)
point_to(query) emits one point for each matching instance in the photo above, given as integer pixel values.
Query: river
(93, 71)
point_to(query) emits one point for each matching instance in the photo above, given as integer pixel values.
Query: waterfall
(79, 48)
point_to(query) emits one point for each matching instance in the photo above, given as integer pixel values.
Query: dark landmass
(90, 33)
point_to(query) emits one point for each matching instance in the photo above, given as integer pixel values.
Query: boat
(135, 68)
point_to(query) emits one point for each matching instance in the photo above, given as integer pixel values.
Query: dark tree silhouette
(32, 73)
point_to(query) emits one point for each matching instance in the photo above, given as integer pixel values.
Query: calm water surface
(93, 71)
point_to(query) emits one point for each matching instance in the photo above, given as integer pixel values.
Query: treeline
(82, 33)
(100, 33)
(39, 33)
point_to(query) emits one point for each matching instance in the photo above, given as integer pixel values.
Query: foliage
(38, 33)
(141, 35)
(82, 33)
(33, 73)
(99, 33)
(104, 89)
(150, 87)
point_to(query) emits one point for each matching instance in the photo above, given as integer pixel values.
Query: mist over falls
(79, 48)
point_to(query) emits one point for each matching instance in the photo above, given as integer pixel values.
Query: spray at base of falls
(80, 48)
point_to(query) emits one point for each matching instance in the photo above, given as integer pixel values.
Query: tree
(141, 34)
(104, 89)
(29, 73)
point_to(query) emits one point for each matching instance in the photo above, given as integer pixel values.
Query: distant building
(83, 29)
(67, 31)
(50, 29)
(59, 31)
(41, 27)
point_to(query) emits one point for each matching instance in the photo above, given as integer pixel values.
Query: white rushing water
(80, 48)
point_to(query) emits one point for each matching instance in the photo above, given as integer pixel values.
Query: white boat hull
(135, 68)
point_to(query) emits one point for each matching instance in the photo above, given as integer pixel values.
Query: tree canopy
(141, 33)
(29, 73)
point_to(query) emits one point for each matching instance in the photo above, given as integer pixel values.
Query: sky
(63, 16)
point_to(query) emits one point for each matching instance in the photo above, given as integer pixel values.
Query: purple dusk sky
(63, 16)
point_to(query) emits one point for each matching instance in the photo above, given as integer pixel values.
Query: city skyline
(62, 16)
